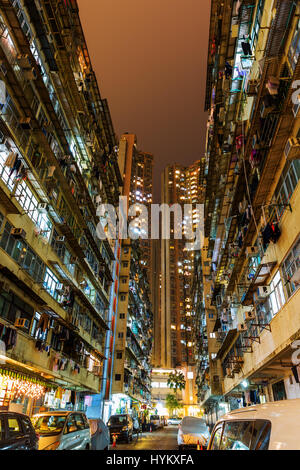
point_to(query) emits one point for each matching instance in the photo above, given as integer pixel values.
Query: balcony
(26, 353)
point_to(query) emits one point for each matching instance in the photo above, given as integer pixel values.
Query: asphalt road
(162, 439)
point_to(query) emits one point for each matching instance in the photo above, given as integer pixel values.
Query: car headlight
(53, 446)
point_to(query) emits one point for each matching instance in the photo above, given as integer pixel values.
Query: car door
(83, 432)
(15, 439)
(70, 437)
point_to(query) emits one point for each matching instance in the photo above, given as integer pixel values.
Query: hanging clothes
(44, 322)
(246, 46)
(58, 393)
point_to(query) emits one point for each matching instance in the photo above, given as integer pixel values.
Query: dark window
(279, 391)
(122, 316)
(237, 435)
(119, 355)
(261, 435)
(118, 377)
(70, 425)
(2, 430)
(79, 422)
(120, 335)
(14, 428)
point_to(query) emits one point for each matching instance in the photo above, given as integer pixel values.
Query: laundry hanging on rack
(8, 336)
(271, 233)
(16, 167)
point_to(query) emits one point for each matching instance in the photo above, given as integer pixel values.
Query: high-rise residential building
(250, 298)
(57, 161)
(175, 348)
(131, 389)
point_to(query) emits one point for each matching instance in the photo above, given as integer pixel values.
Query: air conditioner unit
(60, 239)
(24, 61)
(242, 327)
(22, 323)
(262, 292)
(18, 233)
(30, 74)
(292, 149)
(251, 251)
(250, 315)
(43, 207)
(25, 123)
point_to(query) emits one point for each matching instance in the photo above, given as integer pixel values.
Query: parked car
(174, 421)
(271, 426)
(100, 437)
(155, 422)
(192, 431)
(121, 426)
(62, 430)
(17, 432)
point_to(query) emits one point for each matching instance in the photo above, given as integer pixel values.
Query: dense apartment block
(250, 265)
(131, 387)
(174, 343)
(58, 161)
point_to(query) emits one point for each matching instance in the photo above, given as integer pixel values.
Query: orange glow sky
(150, 60)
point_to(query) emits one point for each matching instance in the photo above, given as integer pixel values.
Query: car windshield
(48, 424)
(118, 420)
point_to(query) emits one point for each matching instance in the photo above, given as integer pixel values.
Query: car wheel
(87, 447)
(105, 448)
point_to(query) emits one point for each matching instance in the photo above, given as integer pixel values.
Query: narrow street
(162, 439)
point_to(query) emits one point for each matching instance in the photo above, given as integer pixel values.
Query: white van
(271, 426)
(62, 430)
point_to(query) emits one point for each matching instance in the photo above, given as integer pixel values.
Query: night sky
(150, 60)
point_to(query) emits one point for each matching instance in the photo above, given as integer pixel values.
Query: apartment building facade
(58, 161)
(131, 387)
(174, 343)
(250, 268)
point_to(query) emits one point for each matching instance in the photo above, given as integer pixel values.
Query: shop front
(21, 392)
